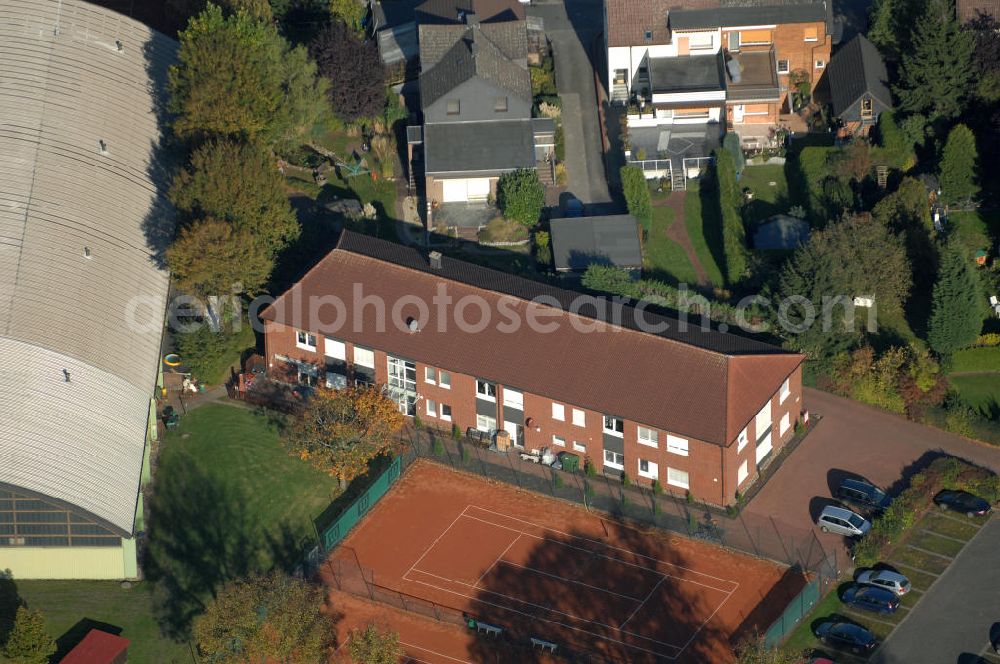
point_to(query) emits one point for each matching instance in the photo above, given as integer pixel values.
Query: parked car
(842, 521)
(574, 207)
(871, 598)
(847, 636)
(863, 494)
(962, 501)
(882, 578)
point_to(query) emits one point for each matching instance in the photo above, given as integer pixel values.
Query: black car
(871, 598)
(847, 636)
(962, 501)
(863, 495)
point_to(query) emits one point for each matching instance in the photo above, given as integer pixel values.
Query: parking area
(853, 440)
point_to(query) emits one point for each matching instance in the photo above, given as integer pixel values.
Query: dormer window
(454, 107)
(867, 108)
(649, 35)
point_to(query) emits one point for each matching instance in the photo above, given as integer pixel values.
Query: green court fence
(794, 612)
(333, 534)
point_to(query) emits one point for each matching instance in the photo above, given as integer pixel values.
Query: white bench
(490, 630)
(543, 645)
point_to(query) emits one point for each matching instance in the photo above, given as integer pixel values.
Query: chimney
(434, 258)
(471, 19)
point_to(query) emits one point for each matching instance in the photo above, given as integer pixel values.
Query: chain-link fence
(744, 531)
(797, 608)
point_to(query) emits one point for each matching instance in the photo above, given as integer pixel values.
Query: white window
(556, 440)
(558, 412)
(742, 473)
(677, 445)
(678, 478)
(486, 390)
(486, 423)
(444, 379)
(335, 349)
(614, 459)
(614, 426)
(432, 408)
(648, 436)
(742, 440)
(785, 391)
(762, 426)
(364, 357)
(811, 34)
(648, 469)
(403, 384)
(305, 340)
(513, 399)
(820, 64)
(430, 375)
(579, 418)
(579, 447)
(446, 412)
(782, 66)
(785, 423)
(701, 42)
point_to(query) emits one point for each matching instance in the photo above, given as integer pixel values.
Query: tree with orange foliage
(340, 431)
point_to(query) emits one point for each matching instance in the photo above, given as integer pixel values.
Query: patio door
(739, 110)
(516, 432)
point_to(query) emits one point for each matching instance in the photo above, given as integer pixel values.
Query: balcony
(752, 77)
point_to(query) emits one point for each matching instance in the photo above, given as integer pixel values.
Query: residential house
(475, 93)
(859, 90)
(82, 287)
(695, 409)
(583, 241)
(689, 73)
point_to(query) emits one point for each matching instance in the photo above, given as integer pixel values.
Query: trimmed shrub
(521, 196)
(637, 196)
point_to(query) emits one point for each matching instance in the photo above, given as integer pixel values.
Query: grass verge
(696, 229)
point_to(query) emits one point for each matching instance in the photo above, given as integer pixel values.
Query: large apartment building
(698, 410)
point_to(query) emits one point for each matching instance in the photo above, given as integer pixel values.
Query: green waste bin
(570, 462)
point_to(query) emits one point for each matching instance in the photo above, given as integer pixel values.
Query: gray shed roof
(473, 55)
(582, 241)
(80, 288)
(687, 73)
(855, 69)
(781, 231)
(479, 147)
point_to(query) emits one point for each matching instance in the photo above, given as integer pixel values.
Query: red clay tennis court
(540, 568)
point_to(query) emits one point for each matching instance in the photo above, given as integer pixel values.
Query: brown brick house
(695, 409)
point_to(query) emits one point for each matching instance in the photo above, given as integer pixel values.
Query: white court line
(433, 652)
(643, 603)
(698, 631)
(436, 540)
(556, 622)
(586, 539)
(537, 606)
(601, 555)
(493, 564)
(563, 578)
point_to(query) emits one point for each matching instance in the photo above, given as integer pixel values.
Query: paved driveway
(852, 439)
(572, 28)
(951, 623)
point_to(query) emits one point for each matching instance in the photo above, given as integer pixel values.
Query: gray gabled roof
(582, 241)
(484, 148)
(80, 286)
(855, 69)
(772, 12)
(473, 55)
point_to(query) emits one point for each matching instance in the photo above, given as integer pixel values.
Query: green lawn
(976, 360)
(972, 224)
(979, 391)
(227, 500)
(937, 543)
(663, 258)
(72, 607)
(768, 200)
(962, 528)
(705, 235)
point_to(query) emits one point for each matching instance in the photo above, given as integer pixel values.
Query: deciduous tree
(521, 196)
(238, 182)
(958, 166)
(340, 431)
(354, 71)
(28, 641)
(273, 618)
(375, 646)
(936, 73)
(957, 302)
(211, 257)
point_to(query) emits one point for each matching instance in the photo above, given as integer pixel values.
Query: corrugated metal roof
(79, 280)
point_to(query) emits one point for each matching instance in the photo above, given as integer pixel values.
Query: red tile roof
(628, 21)
(701, 384)
(97, 648)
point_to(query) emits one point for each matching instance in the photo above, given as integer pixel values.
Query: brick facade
(713, 470)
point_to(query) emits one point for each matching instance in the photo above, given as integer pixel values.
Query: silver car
(842, 521)
(882, 578)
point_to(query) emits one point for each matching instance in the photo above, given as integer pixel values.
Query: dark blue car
(846, 636)
(962, 501)
(870, 598)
